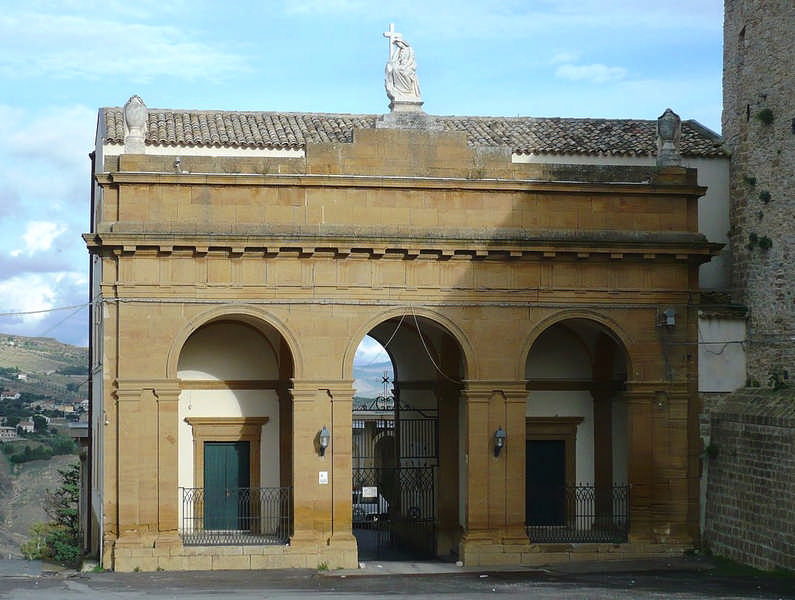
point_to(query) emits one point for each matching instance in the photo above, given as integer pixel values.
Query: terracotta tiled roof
(525, 135)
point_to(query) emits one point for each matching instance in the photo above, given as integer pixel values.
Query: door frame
(226, 429)
(557, 428)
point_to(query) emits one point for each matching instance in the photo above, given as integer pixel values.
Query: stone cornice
(397, 182)
(438, 245)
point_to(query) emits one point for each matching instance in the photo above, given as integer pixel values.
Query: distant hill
(43, 366)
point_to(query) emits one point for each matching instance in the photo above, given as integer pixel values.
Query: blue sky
(60, 60)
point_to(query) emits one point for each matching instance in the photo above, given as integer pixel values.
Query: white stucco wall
(721, 354)
(226, 351)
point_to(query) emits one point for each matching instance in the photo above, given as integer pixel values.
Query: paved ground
(691, 579)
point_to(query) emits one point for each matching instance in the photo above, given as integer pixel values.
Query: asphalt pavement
(686, 578)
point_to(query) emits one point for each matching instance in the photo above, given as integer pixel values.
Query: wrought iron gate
(394, 485)
(394, 511)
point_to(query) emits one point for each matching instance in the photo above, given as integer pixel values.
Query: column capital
(481, 390)
(309, 389)
(130, 389)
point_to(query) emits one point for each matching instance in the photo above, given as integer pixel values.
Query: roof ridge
(587, 136)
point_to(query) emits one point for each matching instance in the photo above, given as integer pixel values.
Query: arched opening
(235, 432)
(406, 432)
(576, 435)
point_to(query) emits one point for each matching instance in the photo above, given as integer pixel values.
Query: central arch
(406, 458)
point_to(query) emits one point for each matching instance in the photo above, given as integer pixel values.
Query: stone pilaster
(167, 395)
(311, 500)
(341, 393)
(146, 430)
(322, 511)
(495, 484)
(658, 448)
(515, 457)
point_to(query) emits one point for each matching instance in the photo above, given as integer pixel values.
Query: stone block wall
(750, 496)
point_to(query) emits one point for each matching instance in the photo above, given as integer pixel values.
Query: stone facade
(758, 126)
(241, 286)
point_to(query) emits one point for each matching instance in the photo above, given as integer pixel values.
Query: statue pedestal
(407, 115)
(406, 106)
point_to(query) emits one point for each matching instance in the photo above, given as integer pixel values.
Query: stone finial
(135, 113)
(669, 133)
(400, 80)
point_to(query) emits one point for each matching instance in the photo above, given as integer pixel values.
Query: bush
(59, 540)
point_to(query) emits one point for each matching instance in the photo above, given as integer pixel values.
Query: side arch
(612, 327)
(251, 315)
(467, 350)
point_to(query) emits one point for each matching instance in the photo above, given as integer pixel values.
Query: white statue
(400, 80)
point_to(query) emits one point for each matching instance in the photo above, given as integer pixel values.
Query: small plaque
(369, 492)
(322, 478)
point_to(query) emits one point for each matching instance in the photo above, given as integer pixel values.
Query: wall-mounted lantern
(667, 318)
(323, 438)
(499, 440)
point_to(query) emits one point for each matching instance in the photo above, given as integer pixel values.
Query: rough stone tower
(759, 128)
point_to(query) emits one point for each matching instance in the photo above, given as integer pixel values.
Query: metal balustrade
(243, 516)
(578, 514)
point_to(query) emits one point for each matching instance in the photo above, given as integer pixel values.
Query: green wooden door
(226, 477)
(545, 482)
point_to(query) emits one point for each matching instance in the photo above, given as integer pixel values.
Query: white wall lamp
(323, 439)
(499, 440)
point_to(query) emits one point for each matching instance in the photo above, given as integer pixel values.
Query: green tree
(39, 424)
(63, 538)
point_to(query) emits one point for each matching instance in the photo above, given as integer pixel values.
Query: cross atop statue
(402, 86)
(393, 37)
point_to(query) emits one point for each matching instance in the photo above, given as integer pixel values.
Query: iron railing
(576, 514)
(244, 516)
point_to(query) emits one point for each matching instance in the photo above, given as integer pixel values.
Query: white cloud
(564, 58)
(369, 351)
(40, 235)
(26, 293)
(47, 293)
(595, 73)
(65, 47)
(60, 135)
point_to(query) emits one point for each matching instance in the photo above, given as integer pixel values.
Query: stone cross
(392, 35)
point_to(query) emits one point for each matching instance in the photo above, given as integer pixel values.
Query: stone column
(657, 462)
(148, 462)
(640, 460)
(131, 462)
(515, 394)
(476, 397)
(342, 542)
(167, 395)
(448, 532)
(322, 511)
(494, 484)
(311, 500)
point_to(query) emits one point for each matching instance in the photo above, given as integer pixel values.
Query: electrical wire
(427, 351)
